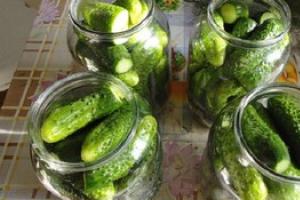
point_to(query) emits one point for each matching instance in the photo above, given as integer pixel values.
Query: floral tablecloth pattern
(46, 59)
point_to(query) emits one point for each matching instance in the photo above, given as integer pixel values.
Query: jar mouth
(260, 93)
(107, 35)
(282, 7)
(59, 88)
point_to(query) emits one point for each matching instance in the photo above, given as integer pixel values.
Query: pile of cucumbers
(93, 127)
(271, 132)
(220, 71)
(139, 59)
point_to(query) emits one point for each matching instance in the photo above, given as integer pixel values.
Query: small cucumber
(119, 59)
(121, 165)
(105, 192)
(232, 10)
(65, 120)
(264, 142)
(243, 27)
(131, 78)
(269, 29)
(106, 137)
(135, 9)
(285, 111)
(106, 17)
(265, 16)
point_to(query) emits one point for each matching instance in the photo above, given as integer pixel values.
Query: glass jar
(130, 170)
(226, 60)
(243, 160)
(144, 47)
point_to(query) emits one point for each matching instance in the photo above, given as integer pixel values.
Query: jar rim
(279, 4)
(274, 88)
(107, 35)
(45, 99)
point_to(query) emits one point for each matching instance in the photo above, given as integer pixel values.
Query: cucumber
(214, 45)
(243, 27)
(218, 20)
(197, 56)
(131, 78)
(200, 80)
(251, 67)
(161, 72)
(135, 9)
(284, 191)
(106, 192)
(232, 10)
(264, 142)
(270, 29)
(65, 120)
(265, 16)
(245, 180)
(121, 165)
(119, 59)
(106, 17)
(161, 35)
(107, 136)
(219, 93)
(285, 111)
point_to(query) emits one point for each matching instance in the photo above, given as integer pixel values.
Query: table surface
(46, 59)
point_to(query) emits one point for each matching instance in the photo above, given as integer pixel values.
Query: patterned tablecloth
(46, 59)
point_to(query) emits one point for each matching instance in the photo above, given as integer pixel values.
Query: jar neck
(106, 36)
(280, 5)
(261, 93)
(45, 101)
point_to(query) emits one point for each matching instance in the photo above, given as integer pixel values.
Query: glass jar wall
(252, 152)
(92, 138)
(237, 46)
(134, 47)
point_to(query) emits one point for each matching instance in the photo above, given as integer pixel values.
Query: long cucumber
(120, 165)
(65, 120)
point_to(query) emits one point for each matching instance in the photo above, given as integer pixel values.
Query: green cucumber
(284, 191)
(243, 27)
(285, 111)
(269, 29)
(232, 10)
(119, 59)
(105, 192)
(214, 45)
(106, 17)
(131, 78)
(161, 72)
(265, 16)
(65, 120)
(246, 180)
(120, 166)
(197, 56)
(264, 142)
(135, 9)
(106, 137)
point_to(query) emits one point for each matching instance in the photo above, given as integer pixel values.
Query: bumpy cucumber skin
(284, 191)
(107, 135)
(106, 192)
(103, 15)
(243, 27)
(250, 67)
(233, 10)
(219, 93)
(65, 120)
(285, 111)
(246, 181)
(121, 165)
(264, 142)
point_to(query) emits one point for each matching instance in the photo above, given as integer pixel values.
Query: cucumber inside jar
(245, 42)
(139, 58)
(269, 131)
(84, 137)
